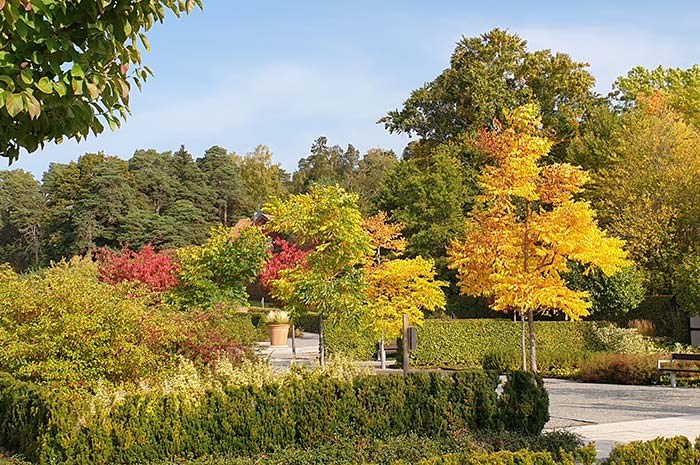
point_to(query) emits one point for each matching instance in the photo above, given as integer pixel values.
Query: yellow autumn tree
(527, 226)
(399, 286)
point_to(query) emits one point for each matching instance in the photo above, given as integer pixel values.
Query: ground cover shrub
(193, 417)
(660, 451)
(620, 369)
(610, 338)
(403, 449)
(586, 456)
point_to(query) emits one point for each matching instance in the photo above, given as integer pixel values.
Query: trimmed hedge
(61, 426)
(471, 342)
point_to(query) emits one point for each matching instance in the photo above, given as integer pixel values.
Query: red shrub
(155, 270)
(208, 335)
(285, 255)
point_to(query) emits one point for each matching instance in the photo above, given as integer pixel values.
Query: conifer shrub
(193, 419)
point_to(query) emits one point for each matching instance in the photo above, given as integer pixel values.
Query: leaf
(14, 104)
(145, 42)
(45, 85)
(60, 88)
(8, 82)
(77, 87)
(77, 72)
(27, 76)
(92, 89)
(32, 105)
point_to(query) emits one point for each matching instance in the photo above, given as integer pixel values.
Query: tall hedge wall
(58, 426)
(469, 342)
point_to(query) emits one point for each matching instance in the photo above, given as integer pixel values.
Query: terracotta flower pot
(278, 334)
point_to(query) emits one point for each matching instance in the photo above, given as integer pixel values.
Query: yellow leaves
(385, 235)
(559, 182)
(528, 226)
(403, 286)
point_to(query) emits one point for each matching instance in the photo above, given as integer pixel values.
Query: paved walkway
(604, 413)
(281, 357)
(609, 414)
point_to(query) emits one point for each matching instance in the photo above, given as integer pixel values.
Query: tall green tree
(66, 68)
(330, 281)
(430, 197)
(681, 87)
(372, 169)
(649, 193)
(490, 74)
(326, 165)
(92, 203)
(22, 208)
(263, 180)
(154, 178)
(224, 178)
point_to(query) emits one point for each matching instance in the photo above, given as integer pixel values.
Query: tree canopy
(527, 226)
(491, 74)
(66, 68)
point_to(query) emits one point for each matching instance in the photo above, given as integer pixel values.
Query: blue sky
(282, 73)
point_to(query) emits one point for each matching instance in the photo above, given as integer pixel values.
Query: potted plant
(278, 324)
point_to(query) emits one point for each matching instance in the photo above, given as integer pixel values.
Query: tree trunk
(382, 355)
(523, 350)
(533, 350)
(321, 342)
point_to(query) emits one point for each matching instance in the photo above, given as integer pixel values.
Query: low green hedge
(347, 337)
(53, 425)
(471, 342)
(659, 451)
(584, 456)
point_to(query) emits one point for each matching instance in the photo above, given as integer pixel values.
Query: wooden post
(382, 355)
(405, 344)
(321, 342)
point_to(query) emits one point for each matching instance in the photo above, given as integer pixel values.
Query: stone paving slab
(607, 435)
(578, 404)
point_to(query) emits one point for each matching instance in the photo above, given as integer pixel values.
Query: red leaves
(286, 255)
(155, 270)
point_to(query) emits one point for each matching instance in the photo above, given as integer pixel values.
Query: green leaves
(52, 66)
(14, 104)
(45, 85)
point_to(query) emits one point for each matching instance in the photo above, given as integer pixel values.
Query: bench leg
(673, 379)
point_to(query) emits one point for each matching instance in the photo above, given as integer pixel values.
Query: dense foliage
(471, 342)
(149, 425)
(157, 271)
(65, 68)
(219, 270)
(66, 326)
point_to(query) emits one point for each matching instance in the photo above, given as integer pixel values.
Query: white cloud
(610, 52)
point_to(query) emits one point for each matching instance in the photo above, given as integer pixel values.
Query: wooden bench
(672, 367)
(390, 350)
